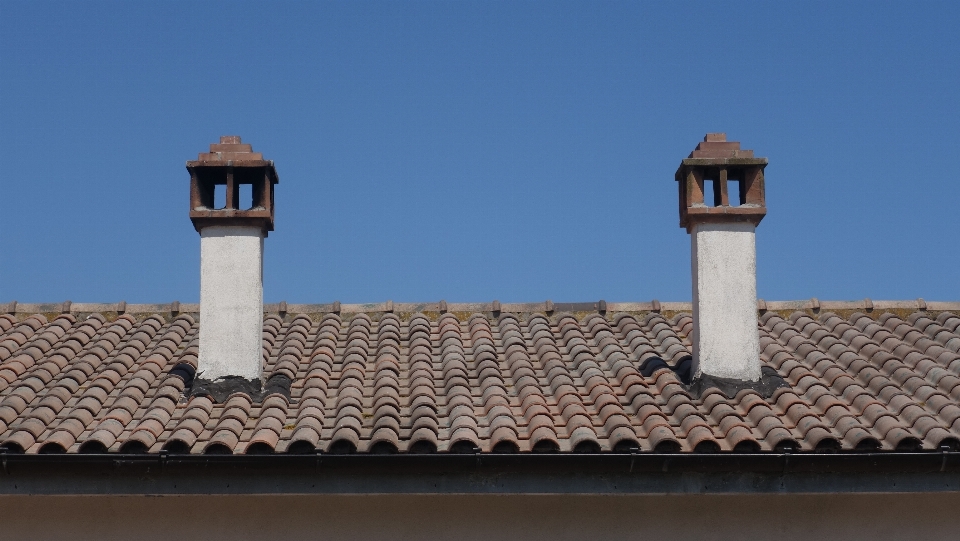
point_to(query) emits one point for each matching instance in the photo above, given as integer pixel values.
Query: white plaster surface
(231, 302)
(725, 340)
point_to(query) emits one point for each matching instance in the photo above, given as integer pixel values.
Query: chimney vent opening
(709, 189)
(220, 196)
(735, 193)
(246, 197)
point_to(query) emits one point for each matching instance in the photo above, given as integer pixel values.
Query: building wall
(700, 517)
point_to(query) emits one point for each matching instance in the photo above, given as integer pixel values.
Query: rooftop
(848, 377)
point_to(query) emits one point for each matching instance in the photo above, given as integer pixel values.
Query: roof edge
(612, 473)
(176, 307)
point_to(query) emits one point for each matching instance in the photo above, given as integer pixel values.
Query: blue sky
(472, 151)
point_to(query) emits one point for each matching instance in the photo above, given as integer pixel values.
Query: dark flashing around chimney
(221, 389)
(769, 382)
(186, 372)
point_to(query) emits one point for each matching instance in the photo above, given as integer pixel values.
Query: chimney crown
(232, 163)
(721, 162)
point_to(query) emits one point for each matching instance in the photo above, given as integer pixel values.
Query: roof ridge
(601, 306)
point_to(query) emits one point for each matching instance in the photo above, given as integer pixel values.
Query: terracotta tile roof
(371, 380)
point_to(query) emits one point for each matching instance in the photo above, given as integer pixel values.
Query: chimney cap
(716, 150)
(720, 161)
(232, 163)
(230, 151)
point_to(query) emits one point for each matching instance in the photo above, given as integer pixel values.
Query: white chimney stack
(725, 335)
(231, 301)
(231, 256)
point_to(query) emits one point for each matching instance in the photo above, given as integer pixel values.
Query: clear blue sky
(472, 151)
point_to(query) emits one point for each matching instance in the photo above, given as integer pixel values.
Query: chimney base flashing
(769, 382)
(219, 390)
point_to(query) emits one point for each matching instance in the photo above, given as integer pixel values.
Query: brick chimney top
(715, 145)
(721, 162)
(232, 164)
(229, 149)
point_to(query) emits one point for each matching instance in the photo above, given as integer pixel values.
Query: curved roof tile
(423, 382)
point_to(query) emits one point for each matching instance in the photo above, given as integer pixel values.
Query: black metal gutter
(606, 473)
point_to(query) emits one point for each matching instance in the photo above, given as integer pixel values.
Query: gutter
(603, 473)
